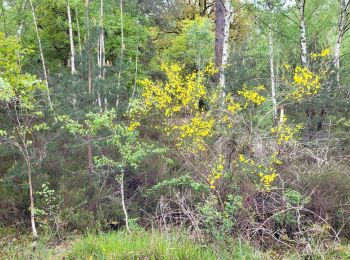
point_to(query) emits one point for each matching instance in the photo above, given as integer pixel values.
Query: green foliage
(194, 45)
(219, 223)
(182, 181)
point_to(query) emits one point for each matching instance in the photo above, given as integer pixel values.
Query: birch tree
(19, 99)
(101, 53)
(343, 27)
(303, 42)
(122, 48)
(71, 40)
(41, 54)
(219, 33)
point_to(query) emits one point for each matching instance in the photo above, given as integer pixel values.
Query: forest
(174, 129)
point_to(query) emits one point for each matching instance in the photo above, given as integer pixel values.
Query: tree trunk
(225, 50)
(121, 182)
(272, 72)
(122, 47)
(41, 55)
(303, 41)
(343, 27)
(135, 73)
(78, 29)
(88, 46)
(101, 54)
(89, 154)
(219, 35)
(31, 199)
(71, 40)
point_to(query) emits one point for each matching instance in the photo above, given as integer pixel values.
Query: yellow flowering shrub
(176, 103)
(322, 54)
(217, 171)
(265, 172)
(285, 133)
(252, 96)
(305, 83)
(178, 97)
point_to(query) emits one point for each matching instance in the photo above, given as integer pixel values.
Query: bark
(41, 54)
(78, 30)
(101, 54)
(122, 48)
(135, 73)
(89, 137)
(71, 40)
(223, 15)
(225, 51)
(88, 46)
(303, 41)
(31, 198)
(219, 35)
(89, 154)
(272, 72)
(101, 41)
(343, 27)
(122, 193)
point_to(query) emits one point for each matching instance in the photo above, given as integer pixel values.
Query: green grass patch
(153, 245)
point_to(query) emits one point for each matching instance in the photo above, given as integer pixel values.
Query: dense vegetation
(150, 129)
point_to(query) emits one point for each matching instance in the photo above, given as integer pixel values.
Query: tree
(343, 27)
(43, 62)
(303, 41)
(223, 19)
(71, 40)
(124, 141)
(19, 100)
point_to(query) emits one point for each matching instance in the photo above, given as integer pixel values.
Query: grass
(146, 245)
(153, 245)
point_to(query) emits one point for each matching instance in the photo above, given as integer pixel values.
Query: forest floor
(145, 245)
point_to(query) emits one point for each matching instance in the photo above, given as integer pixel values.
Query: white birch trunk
(71, 40)
(303, 41)
(41, 55)
(31, 199)
(272, 72)
(101, 54)
(343, 27)
(78, 29)
(225, 51)
(121, 182)
(122, 47)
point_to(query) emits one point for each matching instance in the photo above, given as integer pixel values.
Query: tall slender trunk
(343, 27)
(71, 40)
(135, 73)
(101, 54)
(272, 72)
(31, 199)
(122, 48)
(219, 35)
(89, 137)
(303, 41)
(89, 154)
(225, 48)
(122, 193)
(78, 30)
(223, 19)
(88, 46)
(101, 42)
(41, 54)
